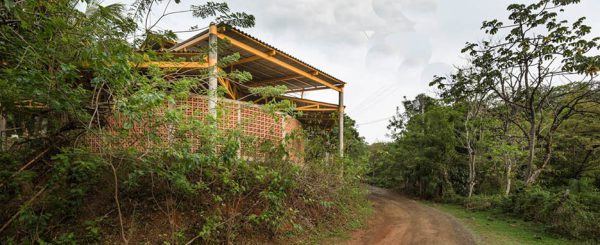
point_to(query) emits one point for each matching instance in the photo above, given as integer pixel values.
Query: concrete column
(341, 122)
(212, 79)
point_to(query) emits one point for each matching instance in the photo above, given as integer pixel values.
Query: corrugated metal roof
(286, 54)
(231, 30)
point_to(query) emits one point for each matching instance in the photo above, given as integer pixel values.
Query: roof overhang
(269, 66)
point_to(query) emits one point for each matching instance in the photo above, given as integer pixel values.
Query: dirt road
(399, 220)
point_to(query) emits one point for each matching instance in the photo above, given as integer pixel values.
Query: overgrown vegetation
(68, 78)
(495, 227)
(516, 129)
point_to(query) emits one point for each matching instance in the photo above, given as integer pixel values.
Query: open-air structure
(269, 66)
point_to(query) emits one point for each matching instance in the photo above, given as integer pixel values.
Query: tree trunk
(536, 173)
(471, 187)
(532, 178)
(531, 145)
(471, 152)
(508, 174)
(447, 184)
(471, 172)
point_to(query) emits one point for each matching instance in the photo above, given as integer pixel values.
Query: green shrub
(454, 199)
(482, 202)
(565, 213)
(591, 200)
(529, 202)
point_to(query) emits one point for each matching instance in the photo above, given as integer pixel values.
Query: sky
(384, 50)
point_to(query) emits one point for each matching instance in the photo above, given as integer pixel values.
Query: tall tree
(473, 100)
(521, 63)
(425, 145)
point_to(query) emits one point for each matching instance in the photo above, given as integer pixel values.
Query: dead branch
(21, 209)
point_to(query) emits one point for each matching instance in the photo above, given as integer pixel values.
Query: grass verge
(495, 228)
(338, 231)
(339, 234)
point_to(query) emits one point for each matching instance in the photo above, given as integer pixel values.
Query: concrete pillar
(341, 122)
(212, 79)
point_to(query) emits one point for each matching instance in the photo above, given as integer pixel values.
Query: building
(268, 66)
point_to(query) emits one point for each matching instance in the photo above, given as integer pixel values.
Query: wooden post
(341, 122)
(212, 79)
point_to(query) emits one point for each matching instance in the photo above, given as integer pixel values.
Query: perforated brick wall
(254, 121)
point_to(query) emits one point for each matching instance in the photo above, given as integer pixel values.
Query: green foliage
(483, 202)
(514, 129)
(493, 227)
(265, 92)
(43, 58)
(424, 159)
(93, 231)
(519, 64)
(428, 159)
(567, 214)
(382, 172)
(68, 76)
(564, 213)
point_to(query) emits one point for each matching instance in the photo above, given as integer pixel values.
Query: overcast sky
(383, 49)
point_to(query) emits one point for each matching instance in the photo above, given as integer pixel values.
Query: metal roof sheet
(260, 65)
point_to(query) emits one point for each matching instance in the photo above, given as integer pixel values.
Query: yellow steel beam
(246, 60)
(175, 53)
(30, 104)
(305, 90)
(191, 42)
(169, 64)
(312, 105)
(307, 107)
(308, 101)
(277, 61)
(319, 109)
(228, 88)
(279, 79)
(253, 58)
(283, 54)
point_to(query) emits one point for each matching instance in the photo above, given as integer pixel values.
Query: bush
(454, 199)
(590, 200)
(528, 203)
(571, 215)
(565, 215)
(482, 202)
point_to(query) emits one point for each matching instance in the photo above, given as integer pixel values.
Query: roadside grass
(338, 233)
(495, 228)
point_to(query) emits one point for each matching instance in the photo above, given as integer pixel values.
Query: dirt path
(399, 220)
